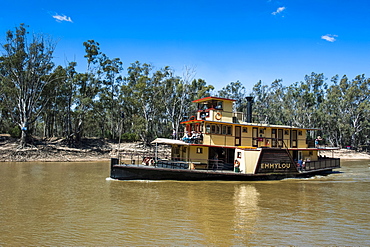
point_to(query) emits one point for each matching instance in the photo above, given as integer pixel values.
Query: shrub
(129, 137)
(15, 132)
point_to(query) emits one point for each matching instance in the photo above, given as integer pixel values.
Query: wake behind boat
(220, 144)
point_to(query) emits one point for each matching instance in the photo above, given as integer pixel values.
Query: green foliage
(26, 77)
(236, 91)
(15, 132)
(341, 109)
(129, 137)
(145, 102)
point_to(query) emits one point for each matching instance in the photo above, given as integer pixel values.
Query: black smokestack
(249, 108)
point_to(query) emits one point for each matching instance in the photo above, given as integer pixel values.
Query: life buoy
(218, 116)
(145, 161)
(236, 163)
(151, 162)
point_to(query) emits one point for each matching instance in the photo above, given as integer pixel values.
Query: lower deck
(201, 162)
(142, 172)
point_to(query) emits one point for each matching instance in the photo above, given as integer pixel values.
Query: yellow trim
(246, 147)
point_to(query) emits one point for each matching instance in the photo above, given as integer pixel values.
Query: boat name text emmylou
(275, 165)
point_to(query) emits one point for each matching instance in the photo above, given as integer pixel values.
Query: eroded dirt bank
(88, 150)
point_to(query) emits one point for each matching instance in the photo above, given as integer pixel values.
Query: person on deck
(198, 138)
(300, 165)
(193, 137)
(186, 138)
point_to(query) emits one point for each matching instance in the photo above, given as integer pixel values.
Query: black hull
(134, 172)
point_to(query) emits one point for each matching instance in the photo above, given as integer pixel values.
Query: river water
(76, 204)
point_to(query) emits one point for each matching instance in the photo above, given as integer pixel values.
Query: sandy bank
(346, 154)
(88, 150)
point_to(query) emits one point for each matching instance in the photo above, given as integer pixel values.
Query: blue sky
(223, 41)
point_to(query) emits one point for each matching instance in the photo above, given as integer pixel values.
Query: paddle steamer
(221, 144)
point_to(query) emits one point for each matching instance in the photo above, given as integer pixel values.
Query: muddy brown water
(74, 204)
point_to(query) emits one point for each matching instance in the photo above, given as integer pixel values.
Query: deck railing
(322, 164)
(209, 164)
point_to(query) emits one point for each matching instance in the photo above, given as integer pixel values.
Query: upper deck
(220, 126)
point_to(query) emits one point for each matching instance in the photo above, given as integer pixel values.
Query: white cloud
(278, 11)
(60, 18)
(329, 37)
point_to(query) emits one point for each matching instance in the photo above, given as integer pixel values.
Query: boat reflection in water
(246, 210)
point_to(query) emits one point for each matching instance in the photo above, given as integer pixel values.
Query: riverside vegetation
(41, 98)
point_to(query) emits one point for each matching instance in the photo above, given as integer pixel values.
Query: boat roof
(211, 98)
(168, 141)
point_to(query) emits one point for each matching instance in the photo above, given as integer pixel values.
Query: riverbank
(346, 154)
(93, 149)
(89, 149)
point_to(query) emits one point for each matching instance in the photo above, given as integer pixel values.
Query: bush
(15, 132)
(129, 137)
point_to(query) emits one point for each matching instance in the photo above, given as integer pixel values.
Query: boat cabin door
(238, 136)
(254, 137)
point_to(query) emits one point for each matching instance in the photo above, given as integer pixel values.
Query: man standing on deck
(300, 164)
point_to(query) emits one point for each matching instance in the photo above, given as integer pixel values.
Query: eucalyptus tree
(51, 121)
(198, 88)
(155, 102)
(165, 83)
(111, 80)
(236, 91)
(314, 90)
(87, 86)
(358, 98)
(304, 99)
(179, 94)
(25, 75)
(138, 94)
(175, 93)
(278, 109)
(172, 96)
(67, 91)
(348, 110)
(261, 94)
(271, 104)
(332, 107)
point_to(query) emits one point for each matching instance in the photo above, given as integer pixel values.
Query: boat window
(213, 129)
(202, 106)
(273, 138)
(229, 130)
(245, 130)
(199, 150)
(218, 129)
(286, 132)
(299, 132)
(239, 154)
(219, 105)
(224, 129)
